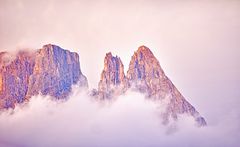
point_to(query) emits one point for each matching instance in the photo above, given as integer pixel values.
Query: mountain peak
(143, 48)
(109, 54)
(53, 47)
(113, 79)
(49, 45)
(112, 63)
(146, 75)
(144, 65)
(144, 52)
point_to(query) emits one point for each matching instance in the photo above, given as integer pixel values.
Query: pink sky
(196, 42)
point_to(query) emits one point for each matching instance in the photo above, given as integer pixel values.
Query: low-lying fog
(130, 121)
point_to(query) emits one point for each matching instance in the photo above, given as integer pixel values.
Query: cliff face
(55, 71)
(49, 71)
(14, 77)
(146, 75)
(113, 80)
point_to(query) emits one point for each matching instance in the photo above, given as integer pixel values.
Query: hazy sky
(196, 42)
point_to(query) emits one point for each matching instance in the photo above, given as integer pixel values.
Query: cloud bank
(130, 121)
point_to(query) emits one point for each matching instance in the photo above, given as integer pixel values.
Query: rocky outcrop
(48, 71)
(113, 81)
(146, 75)
(55, 71)
(14, 78)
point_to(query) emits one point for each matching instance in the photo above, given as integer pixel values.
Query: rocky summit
(146, 76)
(48, 71)
(113, 81)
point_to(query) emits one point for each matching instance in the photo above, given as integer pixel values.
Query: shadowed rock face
(113, 80)
(49, 71)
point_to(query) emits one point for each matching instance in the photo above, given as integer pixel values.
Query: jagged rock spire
(113, 80)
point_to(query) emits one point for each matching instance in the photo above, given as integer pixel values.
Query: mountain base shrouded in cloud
(131, 121)
(144, 75)
(52, 71)
(134, 119)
